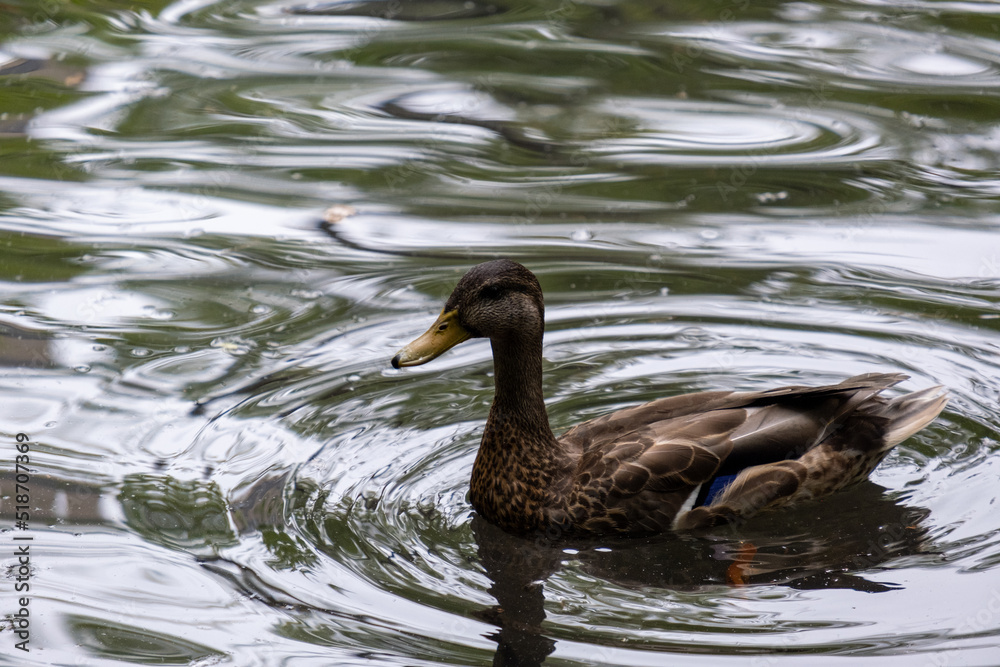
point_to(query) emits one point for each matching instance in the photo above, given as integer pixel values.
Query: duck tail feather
(912, 412)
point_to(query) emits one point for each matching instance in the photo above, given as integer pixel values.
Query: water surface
(225, 469)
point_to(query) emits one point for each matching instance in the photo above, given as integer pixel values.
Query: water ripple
(398, 519)
(851, 53)
(714, 196)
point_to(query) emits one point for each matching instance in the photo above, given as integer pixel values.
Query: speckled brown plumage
(644, 469)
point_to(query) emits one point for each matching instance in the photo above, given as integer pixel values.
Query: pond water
(220, 219)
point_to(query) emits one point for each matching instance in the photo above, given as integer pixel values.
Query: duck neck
(515, 466)
(518, 402)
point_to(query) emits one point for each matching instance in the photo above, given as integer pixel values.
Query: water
(225, 469)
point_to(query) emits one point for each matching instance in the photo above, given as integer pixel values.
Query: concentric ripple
(385, 500)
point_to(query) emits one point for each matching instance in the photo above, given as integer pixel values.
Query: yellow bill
(443, 335)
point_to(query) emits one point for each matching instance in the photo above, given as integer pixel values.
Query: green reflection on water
(106, 639)
(182, 514)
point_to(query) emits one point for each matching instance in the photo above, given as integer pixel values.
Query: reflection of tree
(105, 638)
(181, 514)
(835, 543)
(193, 515)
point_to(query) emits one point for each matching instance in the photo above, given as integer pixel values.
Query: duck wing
(642, 469)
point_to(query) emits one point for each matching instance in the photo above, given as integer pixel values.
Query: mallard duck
(680, 463)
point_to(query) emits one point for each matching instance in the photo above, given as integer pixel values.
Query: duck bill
(443, 335)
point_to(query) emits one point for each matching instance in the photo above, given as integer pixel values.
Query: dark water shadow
(842, 542)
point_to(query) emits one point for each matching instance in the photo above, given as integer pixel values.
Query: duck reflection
(842, 543)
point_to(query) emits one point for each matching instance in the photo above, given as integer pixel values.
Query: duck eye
(490, 292)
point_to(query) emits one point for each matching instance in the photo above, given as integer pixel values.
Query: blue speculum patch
(714, 489)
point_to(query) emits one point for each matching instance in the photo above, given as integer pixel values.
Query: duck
(679, 463)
